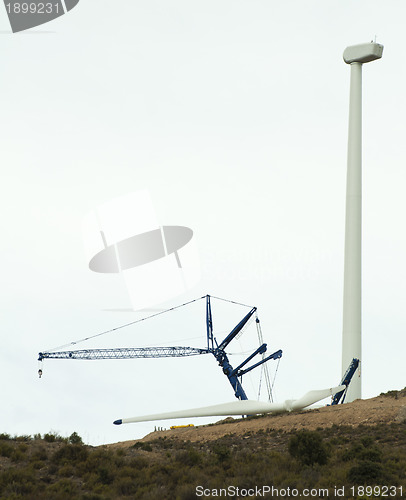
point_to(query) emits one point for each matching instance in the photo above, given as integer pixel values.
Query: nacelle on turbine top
(363, 53)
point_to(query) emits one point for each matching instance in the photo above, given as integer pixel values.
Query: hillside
(347, 447)
(383, 409)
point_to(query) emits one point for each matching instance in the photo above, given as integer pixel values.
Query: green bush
(222, 452)
(39, 453)
(364, 450)
(125, 486)
(52, 437)
(17, 456)
(74, 438)
(17, 482)
(188, 457)
(64, 488)
(142, 446)
(366, 472)
(106, 475)
(138, 463)
(308, 447)
(372, 454)
(66, 471)
(6, 450)
(70, 453)
(24, 437)
(367, 441)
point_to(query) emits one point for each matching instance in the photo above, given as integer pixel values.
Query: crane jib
(124, 353)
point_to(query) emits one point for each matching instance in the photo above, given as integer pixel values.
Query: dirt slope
(378, 410)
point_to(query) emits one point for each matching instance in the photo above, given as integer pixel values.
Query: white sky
(233, 114)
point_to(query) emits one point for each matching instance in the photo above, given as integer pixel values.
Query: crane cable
(75, 342)
(124, 326)
(227, 300)
(274, 378)
(264, 366)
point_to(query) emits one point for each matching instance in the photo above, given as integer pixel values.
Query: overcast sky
(233, 114)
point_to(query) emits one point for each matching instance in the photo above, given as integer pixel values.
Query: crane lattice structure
(234, 375)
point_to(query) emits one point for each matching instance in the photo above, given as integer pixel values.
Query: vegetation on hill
(56, 468)
(51, 467)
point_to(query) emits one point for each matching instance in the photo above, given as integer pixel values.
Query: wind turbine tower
(355, 56)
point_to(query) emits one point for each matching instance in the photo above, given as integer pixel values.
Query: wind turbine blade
(246, 407)
(315, 396)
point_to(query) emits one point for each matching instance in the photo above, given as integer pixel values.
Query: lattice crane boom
(124, 353)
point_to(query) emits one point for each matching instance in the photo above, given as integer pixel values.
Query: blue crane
(345, 381)
(234, 375)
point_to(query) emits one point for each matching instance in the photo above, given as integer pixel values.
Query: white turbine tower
(356, 56)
